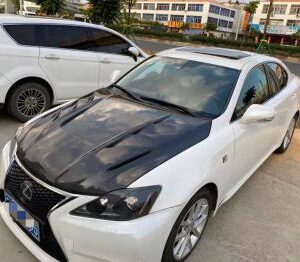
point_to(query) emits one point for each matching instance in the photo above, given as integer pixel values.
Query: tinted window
(254, 91)
(23, 34)
(70, 37)
(103, 41)
(201, 87)
(279, 74)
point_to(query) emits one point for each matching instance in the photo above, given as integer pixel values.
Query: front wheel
(188, 228)
(28, 100)
(288, 137)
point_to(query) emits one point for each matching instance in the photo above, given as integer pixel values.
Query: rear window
(23, 34)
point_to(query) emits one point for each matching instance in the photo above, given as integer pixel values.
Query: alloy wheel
(190, 229)
(31, 102)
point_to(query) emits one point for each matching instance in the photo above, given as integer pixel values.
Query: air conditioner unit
(297, 15)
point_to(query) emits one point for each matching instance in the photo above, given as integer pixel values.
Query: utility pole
(238, 26)
(21, 7)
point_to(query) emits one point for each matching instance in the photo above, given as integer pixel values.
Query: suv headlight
(121, 205)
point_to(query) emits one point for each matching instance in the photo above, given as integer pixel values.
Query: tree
(106, 12)
(270, 10)
(129, 4)
(251, 7)
(51, 7)
(16, 4)
(210, 27)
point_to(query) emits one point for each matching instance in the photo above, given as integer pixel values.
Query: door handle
(105, 60)
(293, 98)
(52, 57)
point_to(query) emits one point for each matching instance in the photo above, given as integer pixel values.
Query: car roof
(15, 19)
(226, 57)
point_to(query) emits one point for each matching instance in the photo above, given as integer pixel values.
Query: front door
(72, 69)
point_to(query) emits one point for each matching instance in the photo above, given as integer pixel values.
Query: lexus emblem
(26, 190)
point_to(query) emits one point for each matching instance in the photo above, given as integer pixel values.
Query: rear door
(72, 69)
(113, 55)
(283, 100)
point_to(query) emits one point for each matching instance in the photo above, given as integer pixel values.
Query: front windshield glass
(201, 87)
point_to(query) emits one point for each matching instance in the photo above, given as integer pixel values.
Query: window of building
(195, 7)
(265, 9)
(178, 7)
(212, 20)
(223, 23)
(225, 12)
(279, 9)
(148, 17)
(232, 13)
(272, 22)
(295, 10)
(254, 91)
(214, 9)
(163, 6)
(137, 16)
(137, 6)
(163, 18)
(293, 22)
(193, 19)
(178, 18)
(149, 6)
(230, 25)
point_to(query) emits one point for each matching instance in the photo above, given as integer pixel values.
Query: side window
(23, 34)
(279, 74)
(69, 37)
(106, 42)
(254, 91)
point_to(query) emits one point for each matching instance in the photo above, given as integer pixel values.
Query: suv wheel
(288, 137)
(28, 100)
(189, 227)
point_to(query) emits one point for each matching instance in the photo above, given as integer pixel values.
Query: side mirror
(115, 75)
(134, 52)
(258, 113)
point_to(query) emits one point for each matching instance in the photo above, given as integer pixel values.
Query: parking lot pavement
(260, 223)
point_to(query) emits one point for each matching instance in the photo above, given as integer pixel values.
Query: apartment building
(284, 21)
(173, 13)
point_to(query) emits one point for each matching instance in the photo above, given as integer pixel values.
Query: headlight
(121, 205)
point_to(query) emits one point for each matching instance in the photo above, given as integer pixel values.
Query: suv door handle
(52, 57)
(105, 60)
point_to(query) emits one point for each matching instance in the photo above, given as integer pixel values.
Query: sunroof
(220, 52)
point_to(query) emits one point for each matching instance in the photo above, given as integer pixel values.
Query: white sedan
(131, 172)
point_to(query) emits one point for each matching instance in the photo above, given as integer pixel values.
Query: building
(284, 21)
(173, 13)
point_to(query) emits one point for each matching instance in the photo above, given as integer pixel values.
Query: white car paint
(227, 158)
(70, 73)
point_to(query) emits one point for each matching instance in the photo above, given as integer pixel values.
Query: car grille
(42, 201)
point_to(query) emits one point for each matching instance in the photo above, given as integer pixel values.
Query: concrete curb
(289, 59)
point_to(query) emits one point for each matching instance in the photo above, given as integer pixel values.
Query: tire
(28, 100)
(288, 137)
(204, 197)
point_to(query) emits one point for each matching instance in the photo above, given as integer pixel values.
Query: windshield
(197, 86)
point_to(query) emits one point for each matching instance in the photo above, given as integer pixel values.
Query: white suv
(49, 61)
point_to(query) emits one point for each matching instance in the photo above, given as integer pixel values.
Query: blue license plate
(19, 214)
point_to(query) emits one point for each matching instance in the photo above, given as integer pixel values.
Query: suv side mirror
(134, 52)
(258, 113)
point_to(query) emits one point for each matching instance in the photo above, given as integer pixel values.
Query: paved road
(260, 223)
(156, 47)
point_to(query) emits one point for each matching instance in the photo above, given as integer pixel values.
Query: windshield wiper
(128, 93)
(171, 105)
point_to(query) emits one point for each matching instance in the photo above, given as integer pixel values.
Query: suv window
(279, 74)
(64, 36)
(23, 34)
(106, 42)
(254, 91)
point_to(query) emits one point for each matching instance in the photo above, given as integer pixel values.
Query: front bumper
(90, 240)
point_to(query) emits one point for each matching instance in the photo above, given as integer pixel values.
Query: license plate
(19, 214)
